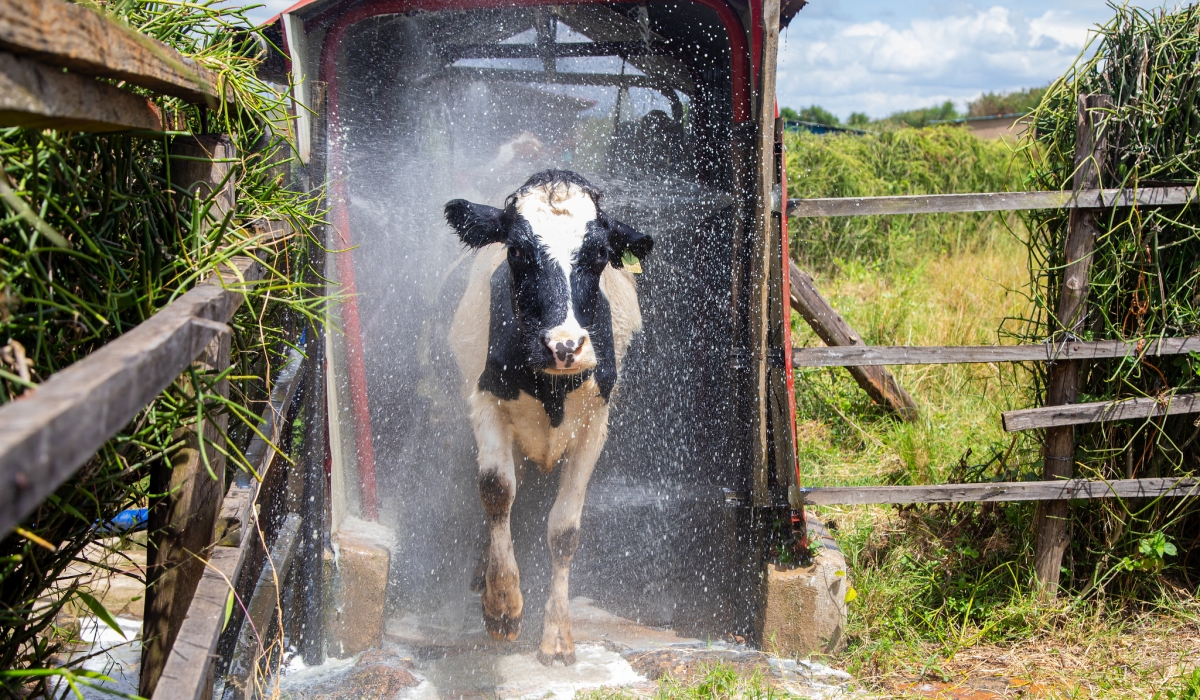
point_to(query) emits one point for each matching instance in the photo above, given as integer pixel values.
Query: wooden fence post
(186, 500)
(1050, 521)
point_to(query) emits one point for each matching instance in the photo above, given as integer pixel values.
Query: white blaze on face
(559, 217)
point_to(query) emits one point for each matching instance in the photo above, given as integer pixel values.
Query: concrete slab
(805, 610)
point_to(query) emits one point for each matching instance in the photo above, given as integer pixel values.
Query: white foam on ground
(513, 676)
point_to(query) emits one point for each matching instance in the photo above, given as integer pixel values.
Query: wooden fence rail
(1002, 491)
(989, 201)
(872, 355)
(47, 436)
(86, 42)
(1100, 412)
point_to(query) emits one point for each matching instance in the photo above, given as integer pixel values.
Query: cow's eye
(600, 259)
(516, 254)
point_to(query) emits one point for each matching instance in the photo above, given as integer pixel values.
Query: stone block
(356, 585)
(806, 607)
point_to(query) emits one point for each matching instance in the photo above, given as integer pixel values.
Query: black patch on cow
(497, 495)
(477, 225)
(508, 372)
(563, 545)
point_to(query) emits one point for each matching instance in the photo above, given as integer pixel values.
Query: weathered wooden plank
(188, 669)
(45, 437)
(191, 656)
(763, 244)
(1002, 491)
(76, 37)
(260, 611)
(988, 201)
(829, 325)
(870, 355)
(1099, 412)
(187, 492)
(1062, 386)
(33, 94)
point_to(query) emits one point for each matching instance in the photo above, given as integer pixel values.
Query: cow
(539, 336)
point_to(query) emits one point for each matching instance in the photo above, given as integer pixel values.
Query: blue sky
(882, 56)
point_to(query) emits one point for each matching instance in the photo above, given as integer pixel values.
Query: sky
(883, 56)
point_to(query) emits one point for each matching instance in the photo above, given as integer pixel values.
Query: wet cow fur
(539, 336)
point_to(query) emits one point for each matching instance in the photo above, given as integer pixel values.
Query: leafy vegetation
(905, 161)
(1144, 282)
(94, 241)
(814, 114)
(992, 104)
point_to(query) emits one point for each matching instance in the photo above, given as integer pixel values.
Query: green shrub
(903, 161)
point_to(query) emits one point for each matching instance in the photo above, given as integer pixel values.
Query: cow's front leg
(563, 537)
(502, 601)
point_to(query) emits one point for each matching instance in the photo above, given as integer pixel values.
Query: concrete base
(356, 585)
(806, 606)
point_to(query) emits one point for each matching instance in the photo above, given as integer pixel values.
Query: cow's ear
(623, 237)
(476, 224)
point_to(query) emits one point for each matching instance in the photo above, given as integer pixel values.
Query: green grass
(946, 590)
(717, 681)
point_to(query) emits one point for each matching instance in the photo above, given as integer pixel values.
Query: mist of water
(422, 127)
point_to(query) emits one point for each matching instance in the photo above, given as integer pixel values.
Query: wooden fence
(1064, 352)
(51, 54)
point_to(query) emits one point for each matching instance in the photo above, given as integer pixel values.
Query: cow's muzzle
(571, 348)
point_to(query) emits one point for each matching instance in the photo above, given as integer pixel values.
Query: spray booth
(669, 109)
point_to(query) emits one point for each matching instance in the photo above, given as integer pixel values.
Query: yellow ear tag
(630, 262)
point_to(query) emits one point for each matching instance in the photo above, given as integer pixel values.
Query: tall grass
(93, 241)
(902, 161)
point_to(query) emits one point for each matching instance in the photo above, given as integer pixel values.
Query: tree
(819, 115)
(858, 120)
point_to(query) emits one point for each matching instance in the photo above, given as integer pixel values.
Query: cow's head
(559, 242)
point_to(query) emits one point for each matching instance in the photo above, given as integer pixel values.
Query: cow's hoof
(502, 627)
(567, 659)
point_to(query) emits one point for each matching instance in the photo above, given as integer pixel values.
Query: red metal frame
(338, 22)
(799, 524)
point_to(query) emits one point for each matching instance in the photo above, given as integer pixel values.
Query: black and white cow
(539, 337)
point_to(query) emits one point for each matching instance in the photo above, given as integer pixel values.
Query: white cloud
(268, 9)
(879, 67)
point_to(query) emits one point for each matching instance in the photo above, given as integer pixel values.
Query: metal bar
(46, 437)
(533, 76)
(872, 355)
(455, 52)
(989, 201)
(1003, 491)
(1100, 412)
